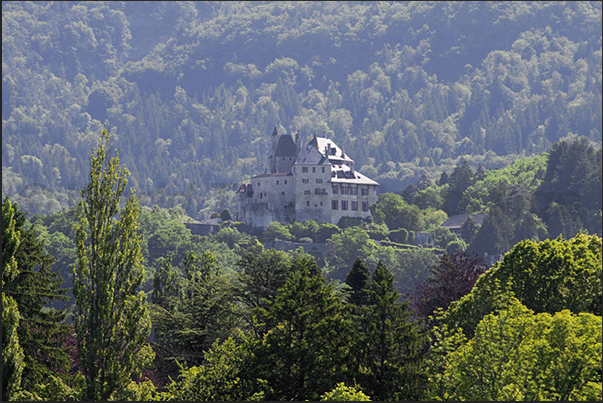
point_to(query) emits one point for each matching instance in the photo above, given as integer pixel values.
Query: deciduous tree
(517, 355)
(547, 276)
(452, 278)
(12, 353)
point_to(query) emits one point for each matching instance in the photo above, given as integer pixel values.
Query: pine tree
(460, 179)
(111, 320)
(358, 278)
(42, 329)
(469, 230)
(306, 352)
(495, 234)
(392, 344)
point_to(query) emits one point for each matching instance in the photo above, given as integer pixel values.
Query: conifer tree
(358, 278)
(391, 353)
(494, 235)
(42, 331)
(469, 230)
(306, 352)
(111, 320)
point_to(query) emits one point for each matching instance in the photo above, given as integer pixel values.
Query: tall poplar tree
(111, 320)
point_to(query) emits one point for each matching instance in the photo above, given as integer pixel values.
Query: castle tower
(272, 158)
(298, 141)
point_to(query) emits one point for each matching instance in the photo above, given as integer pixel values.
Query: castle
(316, 181)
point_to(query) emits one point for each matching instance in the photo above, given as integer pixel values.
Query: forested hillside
(192, 90)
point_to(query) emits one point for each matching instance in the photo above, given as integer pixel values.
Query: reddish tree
(452, 278)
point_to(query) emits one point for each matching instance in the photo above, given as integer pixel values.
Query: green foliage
(42, 331)
(412, 266)
(460, 179)
(190, 312)
(310, 229)
(306, 352)
(12, 352)
(442, 342)
(414, 91)
(393, 210)
(547, 276)
(219, 378)
(343, 393)
(261, 273)
(225, 215)
(443, 236)
(137, 392)
(399, 236)
(516, 355)
(111, 320)
(173, 237)
(10, 242)
(348, 245)
(391, 364)
(469, 230)
(358, 278)
(277, 231)
(326, 231)
(406, 105)
(494, 235)
(54, 390)
(569, 195)
(229, 235)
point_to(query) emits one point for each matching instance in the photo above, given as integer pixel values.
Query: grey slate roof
(310, 155)
(286, 146)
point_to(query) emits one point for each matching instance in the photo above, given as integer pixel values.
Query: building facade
(316, 181)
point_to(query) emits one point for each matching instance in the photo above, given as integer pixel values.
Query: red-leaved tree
(452, 278)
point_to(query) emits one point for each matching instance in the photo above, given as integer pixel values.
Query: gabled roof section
(309, 154)
(286, 146)
(345, 175)
(327, 146)
(324, 147)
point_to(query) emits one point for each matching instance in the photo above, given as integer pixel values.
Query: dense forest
(192, 90)
(124, 121)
